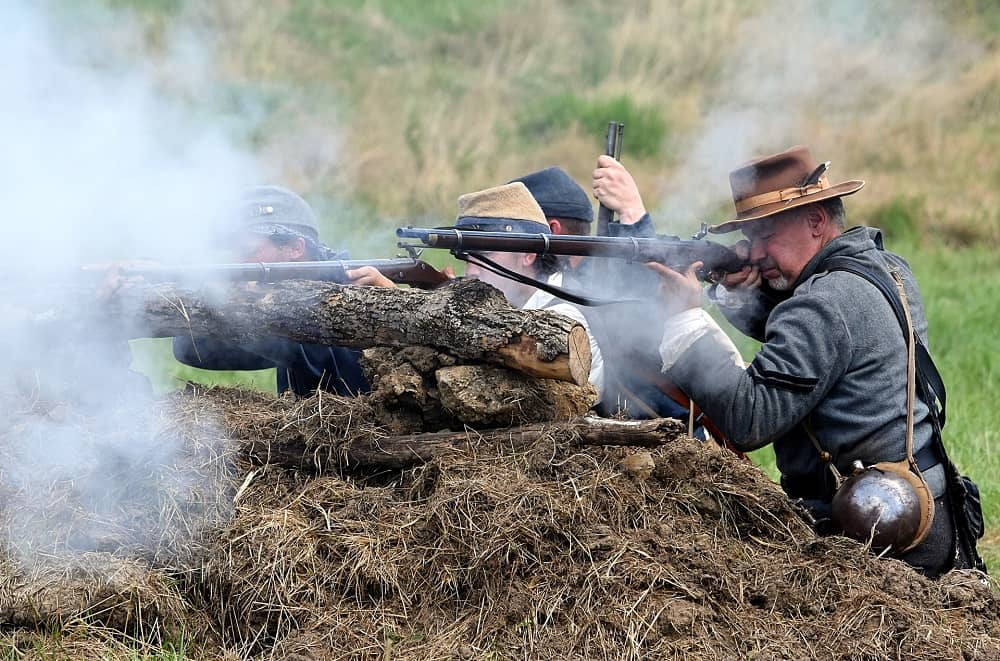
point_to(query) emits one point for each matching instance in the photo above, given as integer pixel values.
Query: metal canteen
(878, 505)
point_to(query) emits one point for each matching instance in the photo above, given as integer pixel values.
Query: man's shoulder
(835, 286)
(843, 294)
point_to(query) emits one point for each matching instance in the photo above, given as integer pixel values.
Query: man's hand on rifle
(113, 278)
(679, 291)
(369, 276)
(615, 188)
(748, 278)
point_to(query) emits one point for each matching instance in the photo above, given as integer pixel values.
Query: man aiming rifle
(277, 226)
(843, 384)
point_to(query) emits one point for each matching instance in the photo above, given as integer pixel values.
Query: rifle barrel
(330, 271)
(613, 148)
(672, 251)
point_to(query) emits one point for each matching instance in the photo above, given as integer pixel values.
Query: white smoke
(99, 161)
(107, 155)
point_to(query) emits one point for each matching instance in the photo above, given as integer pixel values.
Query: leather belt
(927, 458)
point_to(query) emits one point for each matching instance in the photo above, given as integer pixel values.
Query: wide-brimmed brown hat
(777, 183)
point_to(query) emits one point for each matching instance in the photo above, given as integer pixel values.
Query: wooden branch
(403, 451)
(469, 320)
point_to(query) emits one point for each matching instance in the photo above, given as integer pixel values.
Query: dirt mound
(551, 550)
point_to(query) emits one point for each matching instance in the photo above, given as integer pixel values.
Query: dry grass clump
(315, 429)
(327, 546)
(98, 588)
(82, 641)
(117, 480)
(555, 551)
(104, 514)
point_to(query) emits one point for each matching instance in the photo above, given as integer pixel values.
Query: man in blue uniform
(276, 225)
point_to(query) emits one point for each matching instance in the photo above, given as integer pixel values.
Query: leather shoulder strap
(929, 380)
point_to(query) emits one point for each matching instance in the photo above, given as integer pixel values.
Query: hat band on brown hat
(783, 195)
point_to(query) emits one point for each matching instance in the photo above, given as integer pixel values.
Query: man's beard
(781, 283)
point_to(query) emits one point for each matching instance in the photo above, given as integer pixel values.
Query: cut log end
(573, 366)
(579, 355)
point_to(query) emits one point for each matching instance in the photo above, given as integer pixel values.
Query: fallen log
(468, 320)
(407, 450)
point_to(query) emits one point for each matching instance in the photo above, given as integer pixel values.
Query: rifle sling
(579, 299)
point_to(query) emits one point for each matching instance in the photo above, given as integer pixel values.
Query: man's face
(515, 292)
(781, 246)
(254, 248)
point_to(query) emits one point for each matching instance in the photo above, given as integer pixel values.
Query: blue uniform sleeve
(643, 229)
(211, 354)
(302, 368)
(334, 369)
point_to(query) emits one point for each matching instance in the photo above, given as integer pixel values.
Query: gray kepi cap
(272, 210)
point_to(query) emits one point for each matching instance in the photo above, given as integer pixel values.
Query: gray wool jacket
(833, 356)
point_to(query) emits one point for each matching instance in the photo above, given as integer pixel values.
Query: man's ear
(296, 249)
(555, 226)
(528, 258)
(817, 219)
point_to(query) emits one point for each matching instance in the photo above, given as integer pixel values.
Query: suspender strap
(932, 391)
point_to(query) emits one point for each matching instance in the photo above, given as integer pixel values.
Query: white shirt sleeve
(681, 331)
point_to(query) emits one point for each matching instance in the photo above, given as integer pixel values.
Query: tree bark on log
(469, 320)
(484, 396)
(418, 389)
(399, 452)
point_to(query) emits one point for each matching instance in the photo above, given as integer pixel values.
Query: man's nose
(756, 250)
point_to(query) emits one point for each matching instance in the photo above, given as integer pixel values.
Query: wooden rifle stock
(668, 388)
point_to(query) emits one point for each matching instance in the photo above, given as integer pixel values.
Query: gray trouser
(936, 554)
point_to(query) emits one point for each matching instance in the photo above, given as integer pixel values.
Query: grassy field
(961, 291)
(384, 111)
(388, 109)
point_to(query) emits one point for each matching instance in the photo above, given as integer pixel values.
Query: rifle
(613, 148)
(672, 251)
(402, 270)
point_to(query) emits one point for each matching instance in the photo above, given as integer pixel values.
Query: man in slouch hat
(831, 384)
(511, 208)
(627, 332)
